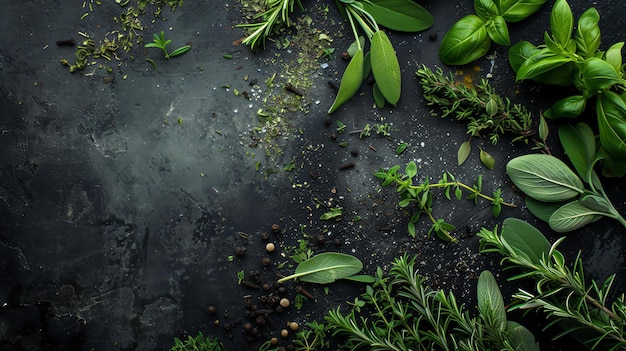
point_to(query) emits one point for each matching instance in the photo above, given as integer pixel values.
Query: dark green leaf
(517, 10)
(587, 35)
(569, 107)
(487, 159)
(466, 41)
(180, 51)
(400, 15)
(379, 99)
(519, 53)
(572, 216)
(543, 128)
(463, 153)
(579, 144)
(542, 210)
(385, 67)
(326, 268)
(541, 62)
(544, 177)
(521, 338)
(361, 278)
(350, 81)
(498, 31)
(597, 75)
(490, 302)
(596, 203)
(486, 9)
(611, 112)
(367, 65)
(561, 22)
(525, 240)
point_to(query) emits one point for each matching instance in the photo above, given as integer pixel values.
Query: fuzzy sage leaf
(350, 81)
(385, 67)
(326, 268)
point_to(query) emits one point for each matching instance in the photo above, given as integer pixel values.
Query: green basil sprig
(572, 57)
(470, 38)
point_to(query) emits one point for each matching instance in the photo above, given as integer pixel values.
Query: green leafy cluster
(272, 20)
(159, 42)
(197, 343)
(571, 57)
(570, 302)
(470, 38)
(312, 338)
(487, 112)
(408, 315)
(421, 195)
(558, 195)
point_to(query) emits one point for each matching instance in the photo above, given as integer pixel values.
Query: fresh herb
(332, 213)
(572, 58)
(488, 114)
(159, 42)
(421, 195)
(470, 38)
(556, 194)
(198, 343)
(408, 315)
(302, 252)
(570, 302)
(240, 276)
(326, 268)
(312, 338)
(272, 20)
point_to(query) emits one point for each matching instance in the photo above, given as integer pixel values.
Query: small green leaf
(487, 159)
(490, 301)
(181, 50)
(517, 10)
(354, 47)
(466, 41)
(543, 128)
(491, 107)
(385, 67)
(326, 268)
(569, 107)
(544, 177)
(486, 9)
(525, 240)
(350, 81)
(587, 35)
(401, 148)
(411, 169)
(400, 15)
(379, 99)
(596, 75)
(521, 338)
(498, 31)
(463, 153)
(572, 216)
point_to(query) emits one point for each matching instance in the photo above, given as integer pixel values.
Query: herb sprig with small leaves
(421, 195)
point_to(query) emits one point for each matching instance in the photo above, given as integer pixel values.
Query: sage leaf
(544, 177)
(542, 210)
(561, 22)
(520, 337)
(596, 203)
(326, 268)
(379, 99)
(569, 107)
(498, 31)
(354, 47)
(350, 81)
(463, 153)
(400, 15)
(385, 67)
(465, 41)
(572, 216)
(487, 160)
(525, 240)
(490, 302)
(587, 35)
(579, 143)
(517, 10)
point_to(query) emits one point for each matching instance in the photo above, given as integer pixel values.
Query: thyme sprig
(561, 292)
(487, 112)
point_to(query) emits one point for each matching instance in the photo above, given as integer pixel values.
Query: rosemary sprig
(486, 111)
(270, 21)
(561, 292)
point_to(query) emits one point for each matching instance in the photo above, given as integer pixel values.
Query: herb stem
(466, 187)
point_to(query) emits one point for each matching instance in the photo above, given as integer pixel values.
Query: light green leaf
(379, 99)
(465, 41)
(572, 216)
(411, 169)
(463, 153)
(326, 268)
(525, 240)
(385, 67)
(490, 302)
(350, 81)
(544, 177)
(354, 47)
(400, 15)
(487, 159)
(614, 56)
(544, 130)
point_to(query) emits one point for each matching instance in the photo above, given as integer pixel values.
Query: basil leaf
(519, 53)
(569, 107)
(498, 31)
(517, 10)
(486, 9)
(400, 15)
(587, 35)
(544, 177)
(385, 67)
(614, 56)
(561, 22)
(466, 41)
(596, 75)
(350, 81)
(525, 240)
(579, 143)
(611, 112)
(541, 62)
(572, 216)
(490, 301)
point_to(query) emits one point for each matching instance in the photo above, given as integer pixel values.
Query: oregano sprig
(421, 195)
